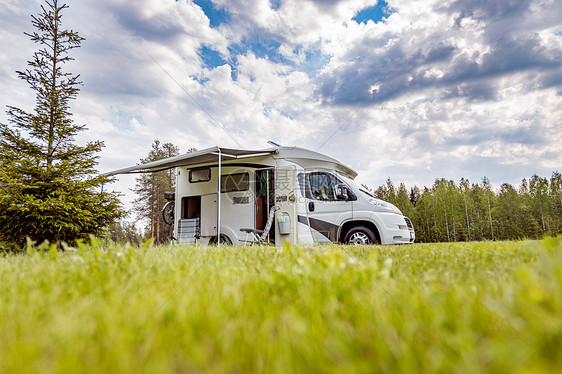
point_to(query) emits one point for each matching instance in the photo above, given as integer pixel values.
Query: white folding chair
(256, 236)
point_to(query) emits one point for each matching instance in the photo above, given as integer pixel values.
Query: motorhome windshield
(343, 175)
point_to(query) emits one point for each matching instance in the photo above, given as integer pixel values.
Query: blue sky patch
(275, 4)
(215, 15)
(211, 58)
(374, 13)
(558, 33)
(261, 47)
(315, 61)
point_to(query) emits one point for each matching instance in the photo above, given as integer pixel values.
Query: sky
(411, 90)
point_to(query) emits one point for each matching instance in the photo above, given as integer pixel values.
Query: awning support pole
(219, 201)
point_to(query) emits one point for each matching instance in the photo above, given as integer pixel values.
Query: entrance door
(326, 213)
(263, 191)
(237, 202)
(209, 215)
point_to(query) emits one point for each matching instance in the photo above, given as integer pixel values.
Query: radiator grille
(409, 223)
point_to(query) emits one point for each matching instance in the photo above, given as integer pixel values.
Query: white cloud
(461, 88)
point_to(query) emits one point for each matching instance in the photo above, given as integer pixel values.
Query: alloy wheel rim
(359, 238)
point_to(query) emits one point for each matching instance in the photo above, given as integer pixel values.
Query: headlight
(383, 206)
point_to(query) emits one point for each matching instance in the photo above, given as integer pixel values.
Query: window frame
(308, 190)
(223, 184)
(202, 180)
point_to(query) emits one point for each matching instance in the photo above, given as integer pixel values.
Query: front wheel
(359, 236)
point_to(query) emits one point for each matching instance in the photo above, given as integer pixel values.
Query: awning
(203, 156)
(209, 155)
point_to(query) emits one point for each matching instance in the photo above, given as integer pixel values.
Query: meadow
(488, 307)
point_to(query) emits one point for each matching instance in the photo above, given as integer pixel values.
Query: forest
(465, 211)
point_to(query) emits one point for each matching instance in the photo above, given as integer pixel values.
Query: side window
(301, 178)
(322, 186)
(199, 175)
(235, 182)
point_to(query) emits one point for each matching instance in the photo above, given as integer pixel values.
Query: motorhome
(275, 195)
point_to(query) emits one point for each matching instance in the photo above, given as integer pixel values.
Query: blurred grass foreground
(491, 307)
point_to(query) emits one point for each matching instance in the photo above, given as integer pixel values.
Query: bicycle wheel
(168, 212)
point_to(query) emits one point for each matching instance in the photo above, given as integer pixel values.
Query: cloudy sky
(412, 90)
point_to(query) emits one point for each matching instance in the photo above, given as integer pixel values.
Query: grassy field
(466, 307)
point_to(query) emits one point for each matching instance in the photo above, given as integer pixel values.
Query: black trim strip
(329, 230)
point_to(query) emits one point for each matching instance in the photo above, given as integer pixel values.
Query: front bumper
(396, 229)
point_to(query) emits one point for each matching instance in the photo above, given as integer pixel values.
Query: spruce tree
(49, 188)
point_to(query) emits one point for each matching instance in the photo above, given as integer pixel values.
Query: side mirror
(341, 192)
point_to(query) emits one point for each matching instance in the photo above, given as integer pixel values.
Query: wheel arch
(351, 224)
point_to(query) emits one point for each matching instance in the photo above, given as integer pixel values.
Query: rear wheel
(224, 240)
(359, 236)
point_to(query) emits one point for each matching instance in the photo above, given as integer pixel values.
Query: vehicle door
(237, 201)
(325, 211)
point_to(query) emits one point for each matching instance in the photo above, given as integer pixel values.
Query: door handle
(311, 206)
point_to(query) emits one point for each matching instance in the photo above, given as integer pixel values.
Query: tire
(168, 212)
(224, 240)
(360, 236)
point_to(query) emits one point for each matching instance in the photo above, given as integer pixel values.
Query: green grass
(466, 307)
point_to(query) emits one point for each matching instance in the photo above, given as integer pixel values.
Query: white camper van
(277, 194)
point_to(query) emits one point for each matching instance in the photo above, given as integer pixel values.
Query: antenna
(273, 143)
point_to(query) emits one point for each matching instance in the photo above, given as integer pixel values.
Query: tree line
(465, 211)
